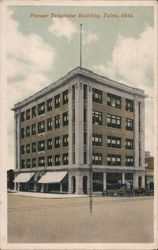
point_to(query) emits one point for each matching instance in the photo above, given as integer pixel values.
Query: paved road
(115, 220)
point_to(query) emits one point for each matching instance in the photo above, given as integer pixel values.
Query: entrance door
(85, 184)
(73, 184)
(140, 182)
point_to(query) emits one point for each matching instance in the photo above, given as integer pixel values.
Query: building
(82, 131)
(149, 171)
(10, 179)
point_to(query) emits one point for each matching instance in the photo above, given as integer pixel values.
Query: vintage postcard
(78, 124)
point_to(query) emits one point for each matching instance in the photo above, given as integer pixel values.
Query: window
(33, 162)
(33, 111)
(22, 133)
(57, 160)
(41, 161)
(22, 149)
(33, 147)
(41, 146)
(65, 159)
(28, 148)
(22, 117)
(97, 117)
(129, 105)
(129, 144)
(85, 92)
(97, 158)
(113, 121)
(129, 124)
(129, 160)
(49, 143)
(28, 114)
(41, 127)
(114, 160)
(49, 104)
(65, 96)
(97, 140)
(49, 160)
(41, 108)
(57, 121)
(57, 142)
(65, 140)
(113, 142)
(27, 131)
(97, 95)
(33, 129)
(22, 163)
(65, 118)
(28, 163)
(114, 101)
(57, 101)
(49, 124)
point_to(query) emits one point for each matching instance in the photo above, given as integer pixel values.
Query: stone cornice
(83, 72)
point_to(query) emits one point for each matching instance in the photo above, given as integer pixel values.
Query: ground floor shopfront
(78, 181)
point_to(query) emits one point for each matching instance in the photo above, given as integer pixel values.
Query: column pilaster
(79, 123)
(70, 125)
(89, 125)
(104, 181)
(123, 178)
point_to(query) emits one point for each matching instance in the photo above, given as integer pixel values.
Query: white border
(4, 124)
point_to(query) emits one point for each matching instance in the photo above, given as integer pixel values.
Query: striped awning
(53, 177)
(23, 177)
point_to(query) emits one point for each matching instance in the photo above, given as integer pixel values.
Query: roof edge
(71, 74)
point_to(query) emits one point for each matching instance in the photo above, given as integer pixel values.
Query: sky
(40, 50)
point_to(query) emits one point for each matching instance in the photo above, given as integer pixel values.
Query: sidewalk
(65, 196)
(47, 195)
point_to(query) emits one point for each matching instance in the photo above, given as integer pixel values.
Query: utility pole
(91, 176)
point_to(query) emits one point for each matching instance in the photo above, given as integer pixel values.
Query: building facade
(149, 171)
(80, 133)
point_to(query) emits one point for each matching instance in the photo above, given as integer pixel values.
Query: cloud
(63, 28)
(29, 60)
(90, 38)
(132, 62)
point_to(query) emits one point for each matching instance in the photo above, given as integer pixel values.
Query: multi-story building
(82, 131)
(149, 171)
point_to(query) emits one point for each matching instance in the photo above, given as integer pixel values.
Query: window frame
(65, 144)
(57, 101)
(98, 99)
(41, 110)
(114, 145)
(95, 142)
(131, 122)
(41, 130)
(114, 163)
(110, 121)
(99, 161)
(97, 117)
(57, 139)
(49, 104)
(65, 115)
(111, 98)
(65, 94)
(57, 124)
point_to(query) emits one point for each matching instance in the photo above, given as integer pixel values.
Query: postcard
(78, 125)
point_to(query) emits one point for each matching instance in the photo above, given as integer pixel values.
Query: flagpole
(80, 45)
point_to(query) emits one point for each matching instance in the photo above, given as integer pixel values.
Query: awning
(53, 177)
(23, 177)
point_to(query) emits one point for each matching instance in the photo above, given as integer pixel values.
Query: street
(47, 220)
